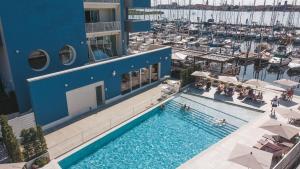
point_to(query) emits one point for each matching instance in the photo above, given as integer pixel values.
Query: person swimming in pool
(220, 122)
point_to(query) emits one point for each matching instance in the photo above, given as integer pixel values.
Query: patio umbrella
(200, 74)
(228, 79)
(282, 130)
(288, 113)
(276, 88)
(256, 82)
(287, 83)
(251, 157)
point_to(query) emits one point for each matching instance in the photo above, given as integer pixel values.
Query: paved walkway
(216, 156)
(79, 132)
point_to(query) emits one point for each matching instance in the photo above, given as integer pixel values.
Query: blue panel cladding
(123, 14)
(41, 24)
(138, 3)
(48, 94)
(138, 25)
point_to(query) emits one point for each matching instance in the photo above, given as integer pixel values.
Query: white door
(82, 100)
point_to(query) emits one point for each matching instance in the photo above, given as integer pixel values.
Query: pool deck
(77, 133)
(67, 138)
(216, 156)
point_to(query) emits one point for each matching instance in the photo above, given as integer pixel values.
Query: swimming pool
(158, 139)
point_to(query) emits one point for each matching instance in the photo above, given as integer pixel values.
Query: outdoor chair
(279, 140)
(267, 146)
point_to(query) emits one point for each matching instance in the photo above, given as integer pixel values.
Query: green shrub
(239, 86)
(33, 142)
(11, 143)
(40, 162)
(185, 76)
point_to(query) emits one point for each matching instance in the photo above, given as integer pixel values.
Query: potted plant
(215, 83)
(40, 162)
(239, 88)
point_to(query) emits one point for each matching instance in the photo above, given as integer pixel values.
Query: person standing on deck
(274, 103)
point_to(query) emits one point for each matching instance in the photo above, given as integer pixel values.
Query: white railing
(103, 1)
(101, 127)
(290, 158)
(102, 26)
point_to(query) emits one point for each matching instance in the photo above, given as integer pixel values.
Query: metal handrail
(102, 26)
(289, 158)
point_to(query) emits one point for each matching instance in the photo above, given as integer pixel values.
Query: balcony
(101, 4)
(102, 28)
(138, 3)
(137, 25)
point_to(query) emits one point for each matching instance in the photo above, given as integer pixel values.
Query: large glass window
(135, 76)
(103, 47)
(126, 84)
(154, 73)
(92, 16)
(38, 60)
(145, 76)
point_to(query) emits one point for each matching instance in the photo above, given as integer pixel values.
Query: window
(67, 55)
(126, 83)
(154, 73)
(39, 60)
(145, 76)
(135, 76)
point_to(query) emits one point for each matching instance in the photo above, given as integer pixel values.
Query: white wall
(84, 99)
(19, 123)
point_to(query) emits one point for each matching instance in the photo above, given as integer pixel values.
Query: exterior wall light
(66, 85)
(92, 77)
(132, 66)
(114, 73)
(160, 58)
(17, 51)
(166, 58)
(81, 42)
(106, 89)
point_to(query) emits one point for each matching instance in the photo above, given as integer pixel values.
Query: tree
(41, 137)
(33, 142)
(11, 143)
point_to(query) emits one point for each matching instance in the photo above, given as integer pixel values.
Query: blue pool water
(162, 140)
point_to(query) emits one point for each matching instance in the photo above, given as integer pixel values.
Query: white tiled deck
(214, 157)
(79, 132)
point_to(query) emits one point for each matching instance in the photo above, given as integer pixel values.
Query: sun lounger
(267, 146)
(279, 140)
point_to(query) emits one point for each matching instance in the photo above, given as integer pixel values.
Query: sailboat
(280, 57)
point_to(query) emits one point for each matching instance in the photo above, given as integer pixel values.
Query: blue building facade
(66, 58)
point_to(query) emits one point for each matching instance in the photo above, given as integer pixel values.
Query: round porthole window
(67, 55)
(39, 60)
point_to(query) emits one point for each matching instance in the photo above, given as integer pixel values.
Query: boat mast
(262, 27)
(190, 5)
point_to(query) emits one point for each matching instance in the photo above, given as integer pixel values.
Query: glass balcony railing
(103, 1)
(102, 26)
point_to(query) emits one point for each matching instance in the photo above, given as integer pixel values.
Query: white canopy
(251, 157)
(179, 56)
(283, 130)
(200, 74)
(228, 79)
(286, 83)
